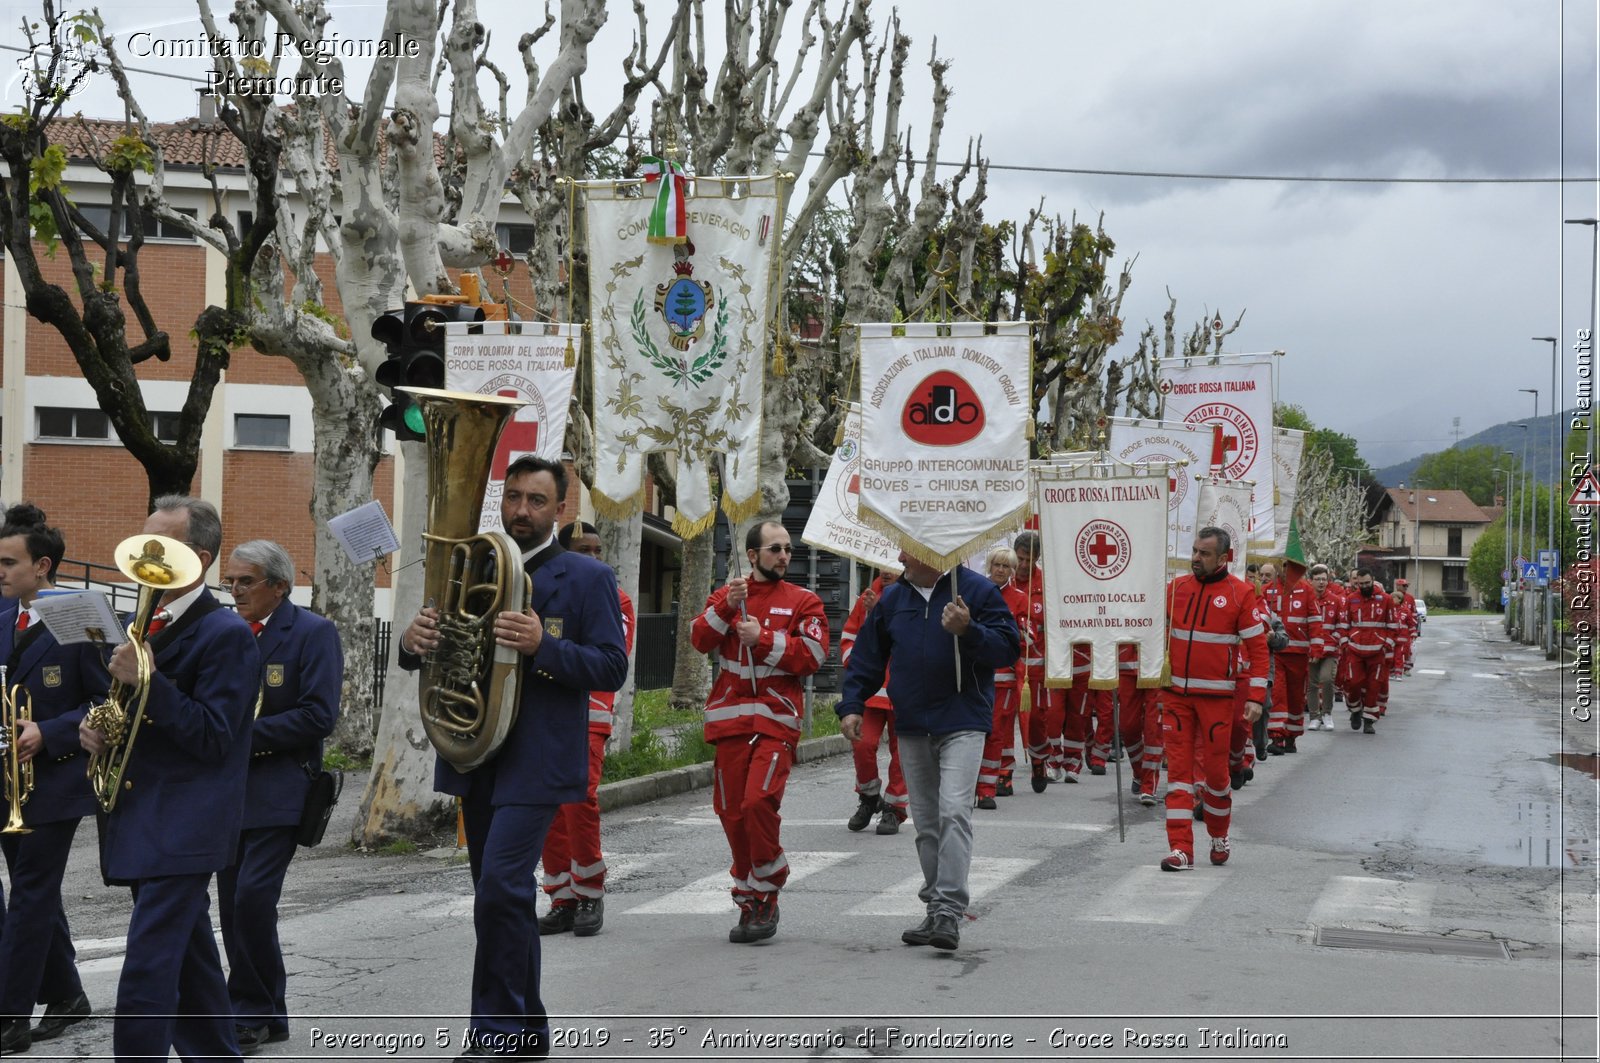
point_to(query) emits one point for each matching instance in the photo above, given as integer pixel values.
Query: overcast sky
(1400, 306)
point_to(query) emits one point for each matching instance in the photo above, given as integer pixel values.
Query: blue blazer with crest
(302, 678)
(183, 794)
(545, 757)
(63, 681)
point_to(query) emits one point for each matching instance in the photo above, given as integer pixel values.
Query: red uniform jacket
(847, 642)
(793, 644)
(1369, 624)
(1302, 620)
(1207, 621)
(603, 702)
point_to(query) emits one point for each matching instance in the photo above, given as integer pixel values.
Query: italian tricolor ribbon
(669, 221)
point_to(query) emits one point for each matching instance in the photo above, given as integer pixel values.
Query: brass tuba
(16, 709)
(160, 565)
(469, 686)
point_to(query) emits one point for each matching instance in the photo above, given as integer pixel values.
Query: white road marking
(1431, 671)
(709, 895)
(987, 874)
(1356, 901)
(1151, 895)
(1487, 675)
(986, 822)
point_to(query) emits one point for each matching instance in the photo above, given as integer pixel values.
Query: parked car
(1422, 610)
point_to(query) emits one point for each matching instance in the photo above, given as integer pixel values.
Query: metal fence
(655, 650)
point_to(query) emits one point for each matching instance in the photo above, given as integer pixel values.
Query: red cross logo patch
(1103, 549)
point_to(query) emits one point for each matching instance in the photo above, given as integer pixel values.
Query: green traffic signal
(413, 419)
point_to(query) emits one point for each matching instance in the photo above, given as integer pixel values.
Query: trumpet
(160, 565)
(16, 709)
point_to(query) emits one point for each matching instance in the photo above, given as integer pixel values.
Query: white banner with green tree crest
(680, 333)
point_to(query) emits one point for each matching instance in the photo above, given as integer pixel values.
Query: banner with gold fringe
(1104, 529)
(944, 448)
(680, 337)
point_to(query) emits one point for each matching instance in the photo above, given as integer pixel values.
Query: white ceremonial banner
(680, 342)
(835, 522)
(517, 360)
(944, 447)
(1288, 448)
(1226, 504)
(1186, 450)
(1104, 530)
(1235, 393)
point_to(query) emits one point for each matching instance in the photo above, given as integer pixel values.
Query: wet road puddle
(1536, 839)
(1588, 763)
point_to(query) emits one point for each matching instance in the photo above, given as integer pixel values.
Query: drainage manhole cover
(1423, 944)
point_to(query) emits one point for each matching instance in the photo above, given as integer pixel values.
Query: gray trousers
(1319, 687)
(942, 774)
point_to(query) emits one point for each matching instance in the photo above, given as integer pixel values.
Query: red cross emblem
(503, 262)
(519, 437)
(1102, 548)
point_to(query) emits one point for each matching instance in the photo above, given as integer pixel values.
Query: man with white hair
(302, 675)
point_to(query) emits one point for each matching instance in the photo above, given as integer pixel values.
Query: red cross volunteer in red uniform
(1209, 613)
(768, 636)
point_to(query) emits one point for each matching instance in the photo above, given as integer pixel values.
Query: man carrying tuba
(180, 803)
(571, 642)
(37, 961)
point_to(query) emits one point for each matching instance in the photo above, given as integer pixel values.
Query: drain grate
(1422, 944)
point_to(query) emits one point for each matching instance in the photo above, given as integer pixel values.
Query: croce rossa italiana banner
(944, 450)
(1104, 528)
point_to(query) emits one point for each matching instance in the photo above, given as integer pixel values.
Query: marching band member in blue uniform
(37, 960)
(571, 640)
(179, 811)
(302, 675)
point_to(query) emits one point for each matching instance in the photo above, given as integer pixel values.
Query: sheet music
(84, 616)
(365, 532)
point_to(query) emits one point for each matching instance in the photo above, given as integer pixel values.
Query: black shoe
(1248, 774)
(250, 1038)
(1368, 729)
(1135, 787)
(16, 1038)
(1288, 745)
(1355, 720)
(589, 918)
(1003, 788)
(864, 812)
(1097, 769)
(987, 803)
(920, 934)
(889, 822)
(557, 920)
(1039, 781)
(1276, 748)
(945, 933)
(60, 1015)
(763, 919)
(1236, 779)
(740, 934)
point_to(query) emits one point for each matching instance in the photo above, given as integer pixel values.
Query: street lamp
(1522, 506)
(1555, 477)
(1533, 503)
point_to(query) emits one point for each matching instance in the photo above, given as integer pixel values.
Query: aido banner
(944, 448)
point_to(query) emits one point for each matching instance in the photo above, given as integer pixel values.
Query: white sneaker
(1055, 773)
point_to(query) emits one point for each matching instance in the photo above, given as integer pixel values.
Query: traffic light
(414, 337)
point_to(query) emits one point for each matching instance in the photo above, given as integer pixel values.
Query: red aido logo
(943, 411)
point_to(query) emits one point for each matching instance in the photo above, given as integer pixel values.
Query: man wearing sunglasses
(768, 636)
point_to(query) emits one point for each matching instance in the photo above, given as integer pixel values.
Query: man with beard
(1369, 644)
(768, 636)
(571, 642)
(1209, 614)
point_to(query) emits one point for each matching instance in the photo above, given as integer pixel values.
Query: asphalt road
(1467, 823)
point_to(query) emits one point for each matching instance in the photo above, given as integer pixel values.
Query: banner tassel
(571, 358)
(780, 364)
(1027, 429)
(838, 434)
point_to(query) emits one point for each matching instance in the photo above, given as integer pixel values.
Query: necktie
(256, 626)
(22, 621)
(159, 621)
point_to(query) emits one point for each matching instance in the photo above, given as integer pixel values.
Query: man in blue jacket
(571, 641)
(180, 805)
(302, 677)
(37, 960)
(945, 635)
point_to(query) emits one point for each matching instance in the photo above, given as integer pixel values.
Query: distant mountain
(1506, 436)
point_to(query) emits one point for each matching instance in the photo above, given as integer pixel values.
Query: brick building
(58, 450)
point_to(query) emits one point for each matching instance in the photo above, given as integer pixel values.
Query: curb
(627, 792)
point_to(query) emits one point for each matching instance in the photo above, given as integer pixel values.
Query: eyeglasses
(779, 548)
(243, 583)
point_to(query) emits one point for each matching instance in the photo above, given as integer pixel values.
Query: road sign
(1549, 562)
(1530, 570)
(1587, 493)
